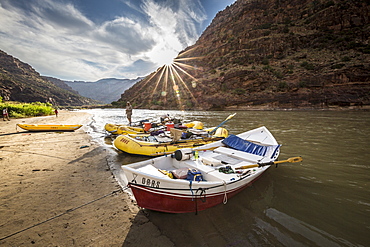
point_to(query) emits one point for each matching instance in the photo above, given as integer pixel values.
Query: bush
(278, 74)
(346, 59)
(307, 65)
(337, 66)
(265, 61)
(366, 49)
(282, 85)
(18, 110)
(263, 26)
(239, 91)
(302, 84)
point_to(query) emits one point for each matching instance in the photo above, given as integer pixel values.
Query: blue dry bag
(194, 175)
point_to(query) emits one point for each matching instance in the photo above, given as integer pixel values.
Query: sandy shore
(56, 189)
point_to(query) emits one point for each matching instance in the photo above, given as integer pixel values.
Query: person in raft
(56, 112)
(5, 114)
(129, 112)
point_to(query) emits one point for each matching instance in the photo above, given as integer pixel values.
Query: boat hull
(49, 127)
(167, 183)
(158, 200)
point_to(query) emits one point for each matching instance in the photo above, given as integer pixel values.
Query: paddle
(227, 119)
(290, 160)
(171, 152)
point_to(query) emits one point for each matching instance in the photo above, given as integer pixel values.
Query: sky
(88, 40)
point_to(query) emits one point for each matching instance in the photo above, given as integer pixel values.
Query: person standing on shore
(56, 112)
(5, 114)
(129, 112)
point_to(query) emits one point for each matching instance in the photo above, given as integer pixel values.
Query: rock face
(271, 54)
(20, 82)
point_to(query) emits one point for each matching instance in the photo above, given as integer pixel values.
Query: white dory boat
(222, 169)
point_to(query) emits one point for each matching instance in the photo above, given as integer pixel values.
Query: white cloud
(173, 29)
(58, 40)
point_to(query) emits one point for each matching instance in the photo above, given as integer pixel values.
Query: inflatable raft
(50, 127)
(116, 129)
(166, 143)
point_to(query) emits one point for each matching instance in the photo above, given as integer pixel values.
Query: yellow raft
(117, 129)
(50, 127)
(155, 146)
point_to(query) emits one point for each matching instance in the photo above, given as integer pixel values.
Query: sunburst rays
(172, 85)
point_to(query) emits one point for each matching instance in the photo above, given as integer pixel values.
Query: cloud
(173, 26)
(58, 40)
(125, 35)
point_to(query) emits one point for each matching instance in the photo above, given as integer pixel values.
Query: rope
(66, 212)
(225, 195)
(191, 190)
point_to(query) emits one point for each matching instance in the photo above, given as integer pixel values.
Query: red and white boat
(222, 169)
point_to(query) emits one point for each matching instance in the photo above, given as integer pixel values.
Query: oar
(171, 152)
(290, 160)
(227, 119)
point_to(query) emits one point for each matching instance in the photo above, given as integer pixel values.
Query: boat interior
(209, 162)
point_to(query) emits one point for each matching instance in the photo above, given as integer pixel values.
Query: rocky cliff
(20, 82)
(270, 54)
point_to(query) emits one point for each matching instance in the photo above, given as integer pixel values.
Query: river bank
(56, 189)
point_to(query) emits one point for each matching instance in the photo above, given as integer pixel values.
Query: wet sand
(56, 189)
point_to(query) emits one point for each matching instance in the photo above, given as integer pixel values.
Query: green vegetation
(19, 110)
(337, 66)
(263, 26)
(282, 86)
(307, 65)
(265, 61)
(346, 59)
(239, 91)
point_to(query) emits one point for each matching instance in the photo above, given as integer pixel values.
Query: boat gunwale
(184, 182)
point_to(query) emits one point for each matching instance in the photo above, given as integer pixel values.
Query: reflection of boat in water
(191, 180)
(50, 127)
(167, 141)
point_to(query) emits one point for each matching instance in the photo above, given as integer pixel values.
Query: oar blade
(218, 126)
(231, 116)
(295, 159)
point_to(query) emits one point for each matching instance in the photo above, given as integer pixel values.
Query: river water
(323, 201)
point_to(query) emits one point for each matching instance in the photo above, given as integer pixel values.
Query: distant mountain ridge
(20, 82)
(105, 90)
(270, 54)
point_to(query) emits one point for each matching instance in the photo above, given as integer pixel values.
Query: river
(323, 201)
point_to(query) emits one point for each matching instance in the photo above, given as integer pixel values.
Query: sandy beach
(56, 189)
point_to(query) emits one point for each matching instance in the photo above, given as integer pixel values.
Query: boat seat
(226, 159)
(239, 154)
(200, 166)
(150, 169)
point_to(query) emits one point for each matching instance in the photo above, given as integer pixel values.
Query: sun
(173, 78)
(167, 58)
(163, 55)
